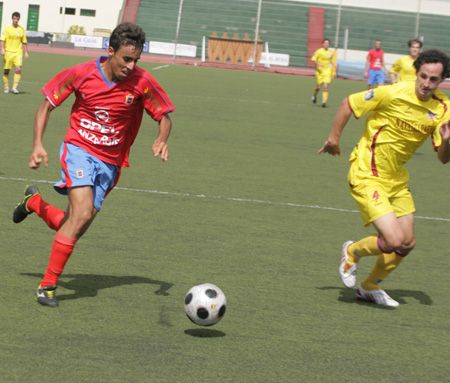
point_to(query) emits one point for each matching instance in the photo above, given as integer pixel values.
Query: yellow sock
(386, 264)
(324, 97)
(16, 80)
(364, 247)
(5, 82)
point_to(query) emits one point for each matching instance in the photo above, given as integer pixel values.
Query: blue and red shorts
(80, 168)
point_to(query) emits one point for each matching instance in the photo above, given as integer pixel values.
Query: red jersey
(106, 116)
(375, 58)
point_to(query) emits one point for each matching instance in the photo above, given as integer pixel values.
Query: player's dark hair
(15, 14)
(127, 34)
(415, 41)
(325, 39)
(433, 56)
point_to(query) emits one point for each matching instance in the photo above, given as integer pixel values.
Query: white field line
(222, 198)
(160, 67)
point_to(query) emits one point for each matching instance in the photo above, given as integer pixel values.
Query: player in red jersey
(111, 94)
(374, 70)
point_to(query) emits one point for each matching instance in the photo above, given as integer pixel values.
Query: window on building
(87, 12)
(69, 11)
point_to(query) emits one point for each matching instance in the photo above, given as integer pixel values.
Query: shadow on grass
(88, 285)
(204, 333)
(349, 296)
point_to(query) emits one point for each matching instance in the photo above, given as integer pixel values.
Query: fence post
(258, 18)
(180, 11)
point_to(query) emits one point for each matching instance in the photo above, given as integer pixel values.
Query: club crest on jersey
(79, 173)
(431, 115)
(369, 95)
(129, 98)
(375, 196)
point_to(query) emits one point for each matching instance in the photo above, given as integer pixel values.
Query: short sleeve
(156, 102)
(24, 37)
(396, 67)
(60, 87)
(436, 136)
(363, 102)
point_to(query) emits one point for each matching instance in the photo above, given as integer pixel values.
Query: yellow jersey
(404, 69)
(397, 124)
(323, 57)
(13, 38)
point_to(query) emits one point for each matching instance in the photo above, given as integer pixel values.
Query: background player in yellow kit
(403, 69)
(324, 60)
(13, 42)
(399, 119)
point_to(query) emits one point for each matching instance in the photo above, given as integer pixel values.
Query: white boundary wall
(51, 20)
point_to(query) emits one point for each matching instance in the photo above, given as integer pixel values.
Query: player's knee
(18, 71)
(407, 246)
(81, 217)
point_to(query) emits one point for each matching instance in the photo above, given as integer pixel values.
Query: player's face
(429, 77)
(123, 61)
(377, 44)
(15, 21)
(414, 50)
(326, 44)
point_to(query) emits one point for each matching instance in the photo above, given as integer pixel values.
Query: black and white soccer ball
(205, 304)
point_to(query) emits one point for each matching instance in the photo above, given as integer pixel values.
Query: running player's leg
(316, 89)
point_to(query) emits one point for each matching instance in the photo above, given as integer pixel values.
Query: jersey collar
(99, 67)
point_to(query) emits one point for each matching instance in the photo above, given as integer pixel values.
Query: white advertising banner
(278, 59)
(169, 49)
(86, 41)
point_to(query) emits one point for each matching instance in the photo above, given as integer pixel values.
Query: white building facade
(57, 16)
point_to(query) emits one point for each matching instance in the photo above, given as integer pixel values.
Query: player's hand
(38, 156)
(444, 130)
(366, 74)
(2, 52)
(330, 147)
(160, 149)
(27, 55)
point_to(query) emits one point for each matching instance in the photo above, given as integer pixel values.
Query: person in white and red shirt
(374, 71)
(111, 94)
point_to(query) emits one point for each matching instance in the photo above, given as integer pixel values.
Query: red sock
(51, 215)
(61, 250)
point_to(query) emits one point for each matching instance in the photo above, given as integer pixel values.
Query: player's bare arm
(39, 153)
(160, 147)
(444, 148)
(25, 50)
(341, 118)
(2, 48)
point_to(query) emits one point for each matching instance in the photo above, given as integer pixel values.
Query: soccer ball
(205, 304)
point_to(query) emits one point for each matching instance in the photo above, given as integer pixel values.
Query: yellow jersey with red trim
(13, 38)
(404, 69)
(397, 124)
(323, 57)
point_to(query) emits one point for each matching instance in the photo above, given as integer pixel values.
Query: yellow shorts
(377, 197)
(323, 77)
(13, 60)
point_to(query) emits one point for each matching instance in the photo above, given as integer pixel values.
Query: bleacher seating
(284, 24)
